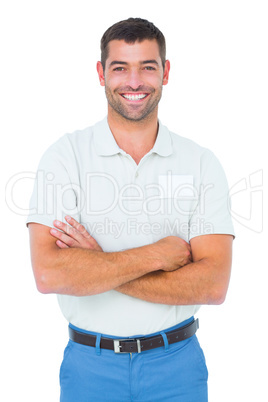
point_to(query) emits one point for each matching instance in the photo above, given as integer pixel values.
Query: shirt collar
(163, 143)
(106, 145)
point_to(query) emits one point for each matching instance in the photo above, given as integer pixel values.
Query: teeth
(134, 97)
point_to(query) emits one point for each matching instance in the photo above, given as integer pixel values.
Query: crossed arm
(67, 260)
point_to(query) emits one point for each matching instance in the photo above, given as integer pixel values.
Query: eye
(119, 69)
(150, 68)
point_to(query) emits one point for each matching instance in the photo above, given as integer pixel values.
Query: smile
(134, 97)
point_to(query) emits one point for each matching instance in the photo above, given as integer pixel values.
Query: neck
(136, 138)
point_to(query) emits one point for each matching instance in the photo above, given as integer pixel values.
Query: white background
(217, 96)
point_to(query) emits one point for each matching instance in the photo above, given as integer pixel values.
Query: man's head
(133, 69)
(132, 30)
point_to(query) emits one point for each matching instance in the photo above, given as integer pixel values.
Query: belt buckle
(117, 346)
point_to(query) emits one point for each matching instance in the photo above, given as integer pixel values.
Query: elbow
(43, 279)
(219, 287)
(217, 295)
(219, 299)
(47, 272)
(42, 285)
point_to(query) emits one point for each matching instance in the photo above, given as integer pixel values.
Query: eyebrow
(150, 62)
(124, 63)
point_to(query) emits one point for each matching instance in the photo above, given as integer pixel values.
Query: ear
(100, 73)
(166, 72)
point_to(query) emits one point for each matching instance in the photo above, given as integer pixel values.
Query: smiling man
(129, 226)
(138, 80)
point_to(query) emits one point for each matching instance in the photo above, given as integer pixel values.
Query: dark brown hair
(132, 30)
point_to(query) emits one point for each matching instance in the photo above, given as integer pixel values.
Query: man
(129, 226)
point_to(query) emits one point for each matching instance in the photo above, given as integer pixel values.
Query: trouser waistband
(138, 344)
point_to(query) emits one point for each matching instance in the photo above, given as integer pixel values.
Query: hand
(73, 235)
(174, 252)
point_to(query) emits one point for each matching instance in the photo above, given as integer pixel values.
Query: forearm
(83, 272)
(76, 265)
(196, 283)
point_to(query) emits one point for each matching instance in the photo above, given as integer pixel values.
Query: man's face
(133, 78)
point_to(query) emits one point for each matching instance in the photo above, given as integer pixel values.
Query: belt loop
(165, 339)
(97, 344)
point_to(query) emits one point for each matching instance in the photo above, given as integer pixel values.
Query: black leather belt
(136, 345)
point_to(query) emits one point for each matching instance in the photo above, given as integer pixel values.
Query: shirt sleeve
(212, 214)
(56, 189)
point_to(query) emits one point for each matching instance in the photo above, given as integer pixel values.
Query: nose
(134, 79)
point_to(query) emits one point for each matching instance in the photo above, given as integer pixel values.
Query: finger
(61, 225)
(60, 244)
(81, 229)
(63, 237)
(69, 230)
(78, 226)
(55, 233)
(75, 224)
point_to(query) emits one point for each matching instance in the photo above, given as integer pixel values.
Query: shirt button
(137, 174)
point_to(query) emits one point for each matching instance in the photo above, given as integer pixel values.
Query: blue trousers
(174, 373)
